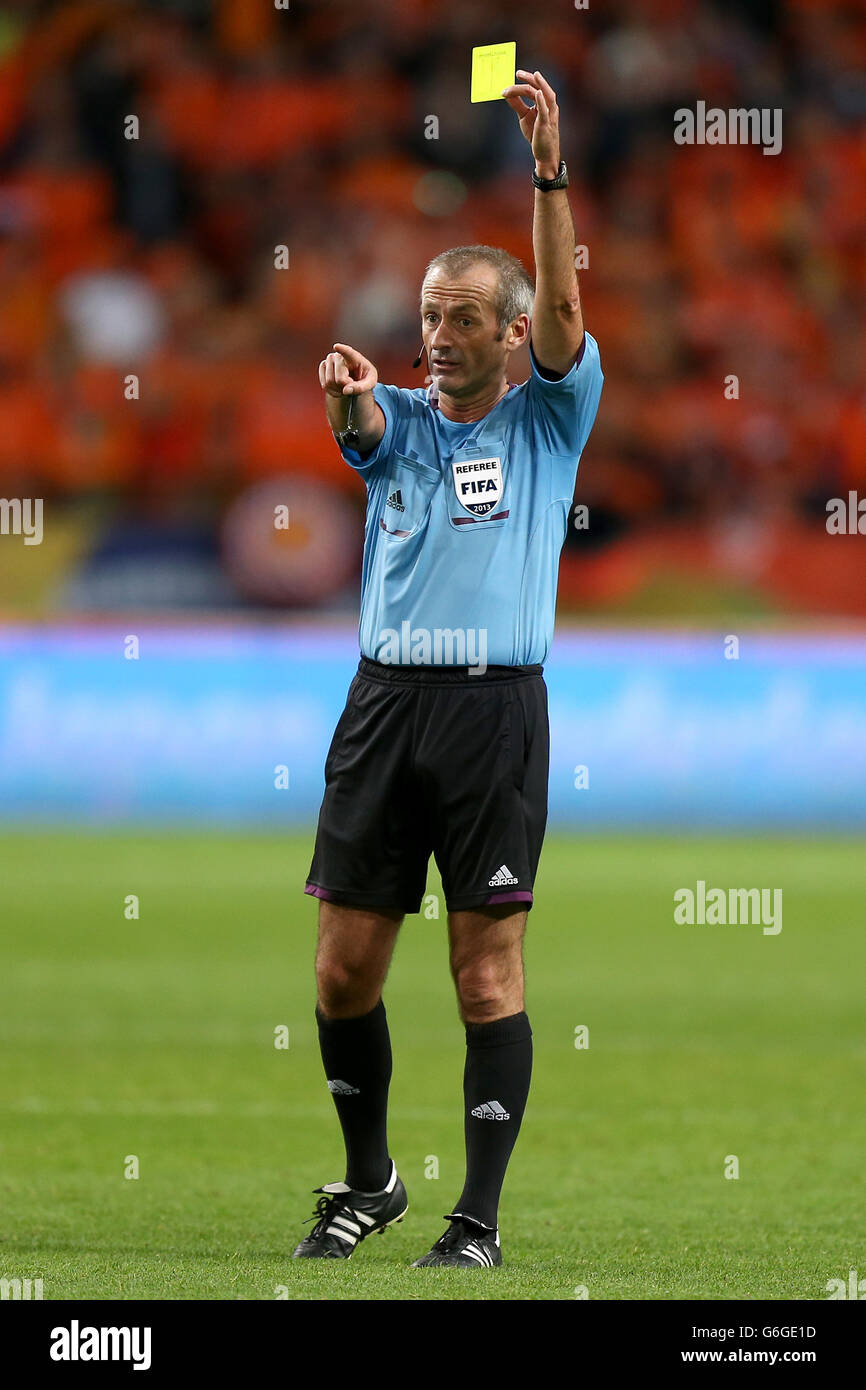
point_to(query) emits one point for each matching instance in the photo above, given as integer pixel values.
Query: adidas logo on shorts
(342, 1088)
(396, 500)
(503, 878)
(491, 1110)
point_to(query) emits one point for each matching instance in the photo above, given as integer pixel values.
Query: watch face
(561, 178)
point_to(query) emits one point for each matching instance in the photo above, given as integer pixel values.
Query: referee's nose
(439, 339)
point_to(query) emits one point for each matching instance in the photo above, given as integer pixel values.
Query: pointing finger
(356, 388)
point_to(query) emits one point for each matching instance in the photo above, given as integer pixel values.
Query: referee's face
(466, 351)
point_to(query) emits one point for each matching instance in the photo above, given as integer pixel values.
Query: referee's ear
(518, 331)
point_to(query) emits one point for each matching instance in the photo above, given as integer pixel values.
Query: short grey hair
(515, 293)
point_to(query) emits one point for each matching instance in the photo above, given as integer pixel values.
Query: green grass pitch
(155, 1038)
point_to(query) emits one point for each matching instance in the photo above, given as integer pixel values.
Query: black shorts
(434, 760)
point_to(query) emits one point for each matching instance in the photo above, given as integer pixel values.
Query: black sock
(496, 1083)
(357, 1057)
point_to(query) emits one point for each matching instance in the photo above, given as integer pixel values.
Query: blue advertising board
(230, 726)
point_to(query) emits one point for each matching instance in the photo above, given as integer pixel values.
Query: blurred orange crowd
(307, 127)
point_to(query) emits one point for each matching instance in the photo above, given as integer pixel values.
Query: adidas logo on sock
(503, 878)
(342, 1088)
(491, 1110)
(396, 500)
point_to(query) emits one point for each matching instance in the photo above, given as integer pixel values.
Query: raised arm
(557, 322)
(345, 375)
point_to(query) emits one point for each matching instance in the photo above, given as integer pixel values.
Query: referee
(443, 745)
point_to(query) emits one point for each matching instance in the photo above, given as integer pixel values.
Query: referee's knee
(486, 992)
(346, 990)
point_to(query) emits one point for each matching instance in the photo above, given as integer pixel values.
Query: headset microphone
(433, 388)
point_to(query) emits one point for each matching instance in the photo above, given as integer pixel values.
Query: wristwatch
(548, 185)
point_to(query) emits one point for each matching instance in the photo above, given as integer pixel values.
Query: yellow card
(493, 69)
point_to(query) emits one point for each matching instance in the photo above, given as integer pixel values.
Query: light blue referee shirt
(466, 522)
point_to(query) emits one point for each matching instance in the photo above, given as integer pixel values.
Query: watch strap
(548, 185)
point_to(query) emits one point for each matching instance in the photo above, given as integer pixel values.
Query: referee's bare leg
(487, 962)
(487, 967)
(352, 957)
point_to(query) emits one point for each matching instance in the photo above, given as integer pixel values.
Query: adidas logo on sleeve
(503, 878)
(491, 1110)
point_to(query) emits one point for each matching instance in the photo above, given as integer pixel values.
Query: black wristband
(548, 185)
